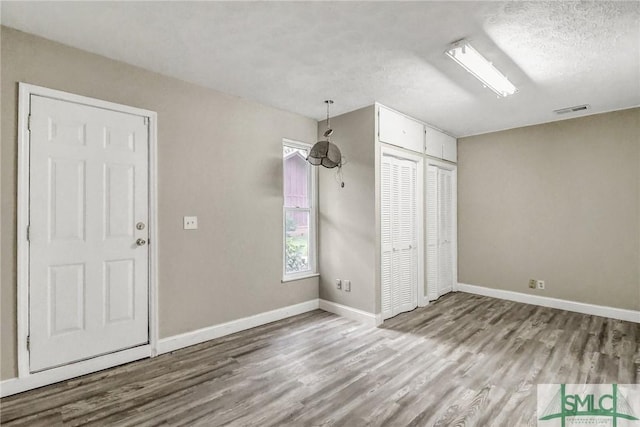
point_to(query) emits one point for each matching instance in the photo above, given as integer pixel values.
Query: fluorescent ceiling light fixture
(469, 58)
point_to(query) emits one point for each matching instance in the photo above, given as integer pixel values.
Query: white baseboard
(62, 373)
(351, 313)
(198, 336)
(578, 307)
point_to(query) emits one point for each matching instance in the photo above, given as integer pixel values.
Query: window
(299, 212)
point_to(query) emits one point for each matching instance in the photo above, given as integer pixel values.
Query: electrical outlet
(190, 223)
(533, 283)
(347, 285)
(338, 283)
(540, 284)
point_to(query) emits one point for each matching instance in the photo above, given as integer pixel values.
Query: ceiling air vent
(572, 109)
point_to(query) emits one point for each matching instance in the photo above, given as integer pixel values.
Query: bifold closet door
(445, 231)
(440, 231)
(399, 263)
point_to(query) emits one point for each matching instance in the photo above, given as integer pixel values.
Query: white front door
(88, 229)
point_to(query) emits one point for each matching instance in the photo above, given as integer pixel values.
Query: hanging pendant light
(325, 153)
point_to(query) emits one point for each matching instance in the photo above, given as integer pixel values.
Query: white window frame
(312, 181)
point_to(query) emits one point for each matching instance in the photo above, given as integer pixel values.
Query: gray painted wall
(220, 158)
(347, 215)
(558, 202)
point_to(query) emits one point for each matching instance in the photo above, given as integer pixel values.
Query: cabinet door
(432, 142)
(396, 129)
(440, 145)
(450, 148)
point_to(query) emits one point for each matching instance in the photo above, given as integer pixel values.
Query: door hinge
(28, 342)
(146, 120)
(29, 122)
(29, 233)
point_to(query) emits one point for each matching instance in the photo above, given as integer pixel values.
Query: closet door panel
(386, 242)
(431, 194)
(406, 244)
(445, 231)
(398, 235)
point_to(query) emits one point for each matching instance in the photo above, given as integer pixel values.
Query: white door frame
(453, 167)
(390, 150)
(32, 380)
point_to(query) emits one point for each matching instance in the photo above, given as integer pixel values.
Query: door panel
(66, 207)
(441, 233)
(88, 280)
(119, 290)
(432, 232)
(406, 244)
(119, 200)
(385, 238)
(445, 282)
(399, 276)
(66, 301)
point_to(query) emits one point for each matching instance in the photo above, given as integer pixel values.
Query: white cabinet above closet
(397, 129)
(440, 145)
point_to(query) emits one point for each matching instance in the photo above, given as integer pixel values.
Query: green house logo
(587, 404)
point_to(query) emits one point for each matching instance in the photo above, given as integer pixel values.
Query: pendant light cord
(329, 102)
(328, 119)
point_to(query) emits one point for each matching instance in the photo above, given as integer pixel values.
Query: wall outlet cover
(347, 285)
(533, 283)
(338, 284)
(190, 223)
(540, 284)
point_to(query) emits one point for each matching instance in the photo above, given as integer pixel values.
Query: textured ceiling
(293, 55)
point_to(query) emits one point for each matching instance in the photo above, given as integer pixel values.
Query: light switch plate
(347, 285)
(190, 223)
(338, 284)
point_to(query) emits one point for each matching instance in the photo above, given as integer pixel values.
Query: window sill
(306, 276)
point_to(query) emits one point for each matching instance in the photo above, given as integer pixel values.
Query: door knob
(141, 242)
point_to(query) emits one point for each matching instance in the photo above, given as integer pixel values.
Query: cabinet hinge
(28, 342)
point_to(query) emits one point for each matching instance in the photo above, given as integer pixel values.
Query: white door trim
(390, 150)
(71, 370)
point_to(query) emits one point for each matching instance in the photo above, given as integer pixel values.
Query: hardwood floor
(464, 360)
